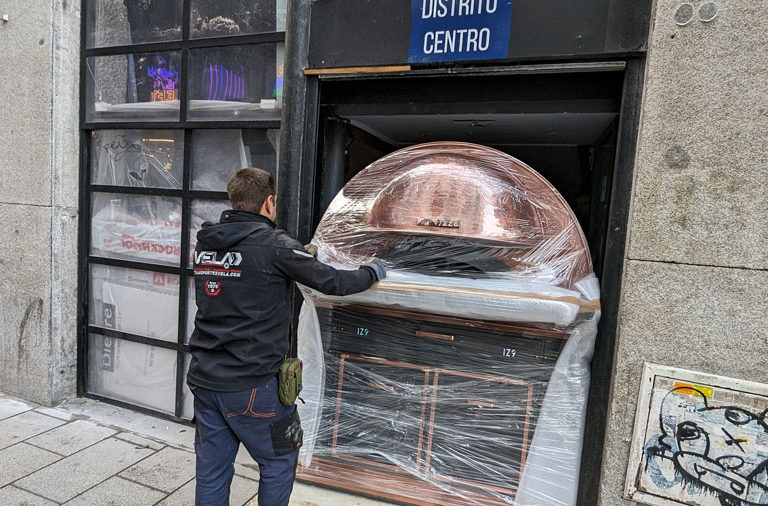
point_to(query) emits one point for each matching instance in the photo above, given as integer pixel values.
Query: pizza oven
(462, 377)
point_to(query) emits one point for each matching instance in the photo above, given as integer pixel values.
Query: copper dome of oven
(454, 196)
(461, 192)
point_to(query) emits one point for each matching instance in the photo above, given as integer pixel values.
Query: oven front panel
(453, 405)
(362, 430)
(471, 349)
(479, 430)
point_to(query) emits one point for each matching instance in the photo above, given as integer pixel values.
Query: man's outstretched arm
(303, 268)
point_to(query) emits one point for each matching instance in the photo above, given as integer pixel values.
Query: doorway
(564, 125)
(340, 123)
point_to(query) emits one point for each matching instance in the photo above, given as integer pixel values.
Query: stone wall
(696, 273)
(39, 198)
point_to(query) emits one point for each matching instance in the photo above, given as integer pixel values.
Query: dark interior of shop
(564, 125)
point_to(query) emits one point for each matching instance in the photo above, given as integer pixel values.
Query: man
(244, 267)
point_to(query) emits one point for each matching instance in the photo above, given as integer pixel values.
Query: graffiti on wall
(704, 445)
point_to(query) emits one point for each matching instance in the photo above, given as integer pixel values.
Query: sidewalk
(84, 452)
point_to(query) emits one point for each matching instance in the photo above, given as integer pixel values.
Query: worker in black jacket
(244, 267)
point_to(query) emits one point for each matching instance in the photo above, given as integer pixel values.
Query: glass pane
(133, 301)
(132, 372)
(191, 308)
(136, 227)
(236, 83)
(188, 409)
(281, 14)
(203, 210)
(219, 18)
(218, 154)
(123, 22)
(143, 158)
(134, 87)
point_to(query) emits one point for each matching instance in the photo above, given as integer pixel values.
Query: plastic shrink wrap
(462, 378)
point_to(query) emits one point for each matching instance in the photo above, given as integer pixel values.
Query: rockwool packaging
(461, 378)
(133, 372)
(134, 301)
(137, 227)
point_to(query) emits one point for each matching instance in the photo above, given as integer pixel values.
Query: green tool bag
(289, 380)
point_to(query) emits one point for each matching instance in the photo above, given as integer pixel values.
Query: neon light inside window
(225, 84)
(164, 84)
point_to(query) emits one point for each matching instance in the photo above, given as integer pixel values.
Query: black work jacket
(244, 268)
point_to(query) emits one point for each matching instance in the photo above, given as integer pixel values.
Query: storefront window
(218, 154)
(122, 22)
(134, 87)
(202, 211)
(145, 228)
(164, 128)
(239, 82)
(138, 158)
(188, 400)
(134, 301)
(191, 310)
(137, 373)
(218, 18)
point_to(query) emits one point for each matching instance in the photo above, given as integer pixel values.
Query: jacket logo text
(230, 259)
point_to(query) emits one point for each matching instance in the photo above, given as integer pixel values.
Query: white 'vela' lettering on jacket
(230, 258)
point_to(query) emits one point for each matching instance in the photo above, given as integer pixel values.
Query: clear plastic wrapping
(462, 377)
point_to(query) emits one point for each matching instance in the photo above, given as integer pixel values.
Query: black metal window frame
(187, 195)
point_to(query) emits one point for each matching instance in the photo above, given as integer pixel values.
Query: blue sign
(451, 30)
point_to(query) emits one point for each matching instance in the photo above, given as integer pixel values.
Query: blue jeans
(269, 430)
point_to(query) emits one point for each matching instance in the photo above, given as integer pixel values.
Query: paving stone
(22, 459)
(75, 474)
(240, 492)
(245, 466)
(11, 407)
(12, 496)
(166, 470)
(56, 413)
(310, 495)
(139, 441)
(25, 425)
(243, 457)
(172, 433)
(118, 492)
(72, 437)
(181, 497)
(250, 471)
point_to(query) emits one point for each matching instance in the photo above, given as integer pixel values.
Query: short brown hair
(249, 188)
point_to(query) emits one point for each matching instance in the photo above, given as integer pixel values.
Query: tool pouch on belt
(289, 380)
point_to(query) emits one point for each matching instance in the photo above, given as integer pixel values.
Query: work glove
(377, 266)
(311, 249)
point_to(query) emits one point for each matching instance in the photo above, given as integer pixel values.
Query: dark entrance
(562, 124)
